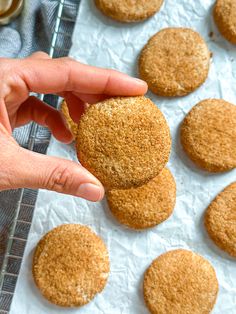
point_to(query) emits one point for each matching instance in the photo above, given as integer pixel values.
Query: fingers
(35, 110)
(58, 75)
(60, 175)
(75, 105)
(91, 99)
(34, 170)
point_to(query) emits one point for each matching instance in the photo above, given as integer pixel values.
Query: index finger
(64, 74)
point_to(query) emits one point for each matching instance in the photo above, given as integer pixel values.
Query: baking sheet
(102, 42)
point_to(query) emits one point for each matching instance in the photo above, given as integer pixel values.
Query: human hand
(78, 84)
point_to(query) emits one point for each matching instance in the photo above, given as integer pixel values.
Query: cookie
(71, 124)
(147, 205)
(70, 265)
(180, 281)
(220, 220)
(208, 135)
(225, 18)
(129, 10)
(174, 62)
(124, 141)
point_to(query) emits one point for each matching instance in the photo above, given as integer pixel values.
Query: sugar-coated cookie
(70, 265)
(180, 282)
(174, 62)
(129, 10)
(147, 205)
(124, 141)
(225, 18)
(208, 135)
(220, 220)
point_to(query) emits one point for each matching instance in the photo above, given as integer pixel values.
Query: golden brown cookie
(208, 135)
(174, 62)
(220, 220)
(71, 124)
(147, 205)
(124, 141)
(225, 18)
(70, 265)
(180, 282)
(129, 10)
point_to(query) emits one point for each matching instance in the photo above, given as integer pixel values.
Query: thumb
(21, 168)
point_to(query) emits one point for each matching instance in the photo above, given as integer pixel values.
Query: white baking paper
(102, 42)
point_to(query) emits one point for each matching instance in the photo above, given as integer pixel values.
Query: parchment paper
(102, 42)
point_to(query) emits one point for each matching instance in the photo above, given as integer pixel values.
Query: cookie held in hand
(124, 141)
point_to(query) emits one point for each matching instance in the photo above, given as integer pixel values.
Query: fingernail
(68, 139)
(90, 192)
(140, 81)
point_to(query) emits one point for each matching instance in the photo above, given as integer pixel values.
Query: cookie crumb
(211, 34)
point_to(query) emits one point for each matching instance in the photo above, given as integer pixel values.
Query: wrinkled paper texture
(99, 41)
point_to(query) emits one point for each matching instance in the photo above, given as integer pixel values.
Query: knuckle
(3, 62)
(9, 78)
(42, 53)
(67, 60)
(61, 179)
(7, 65)
(6, 180)
(5, 68)
(67, 64)
(10, 172)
